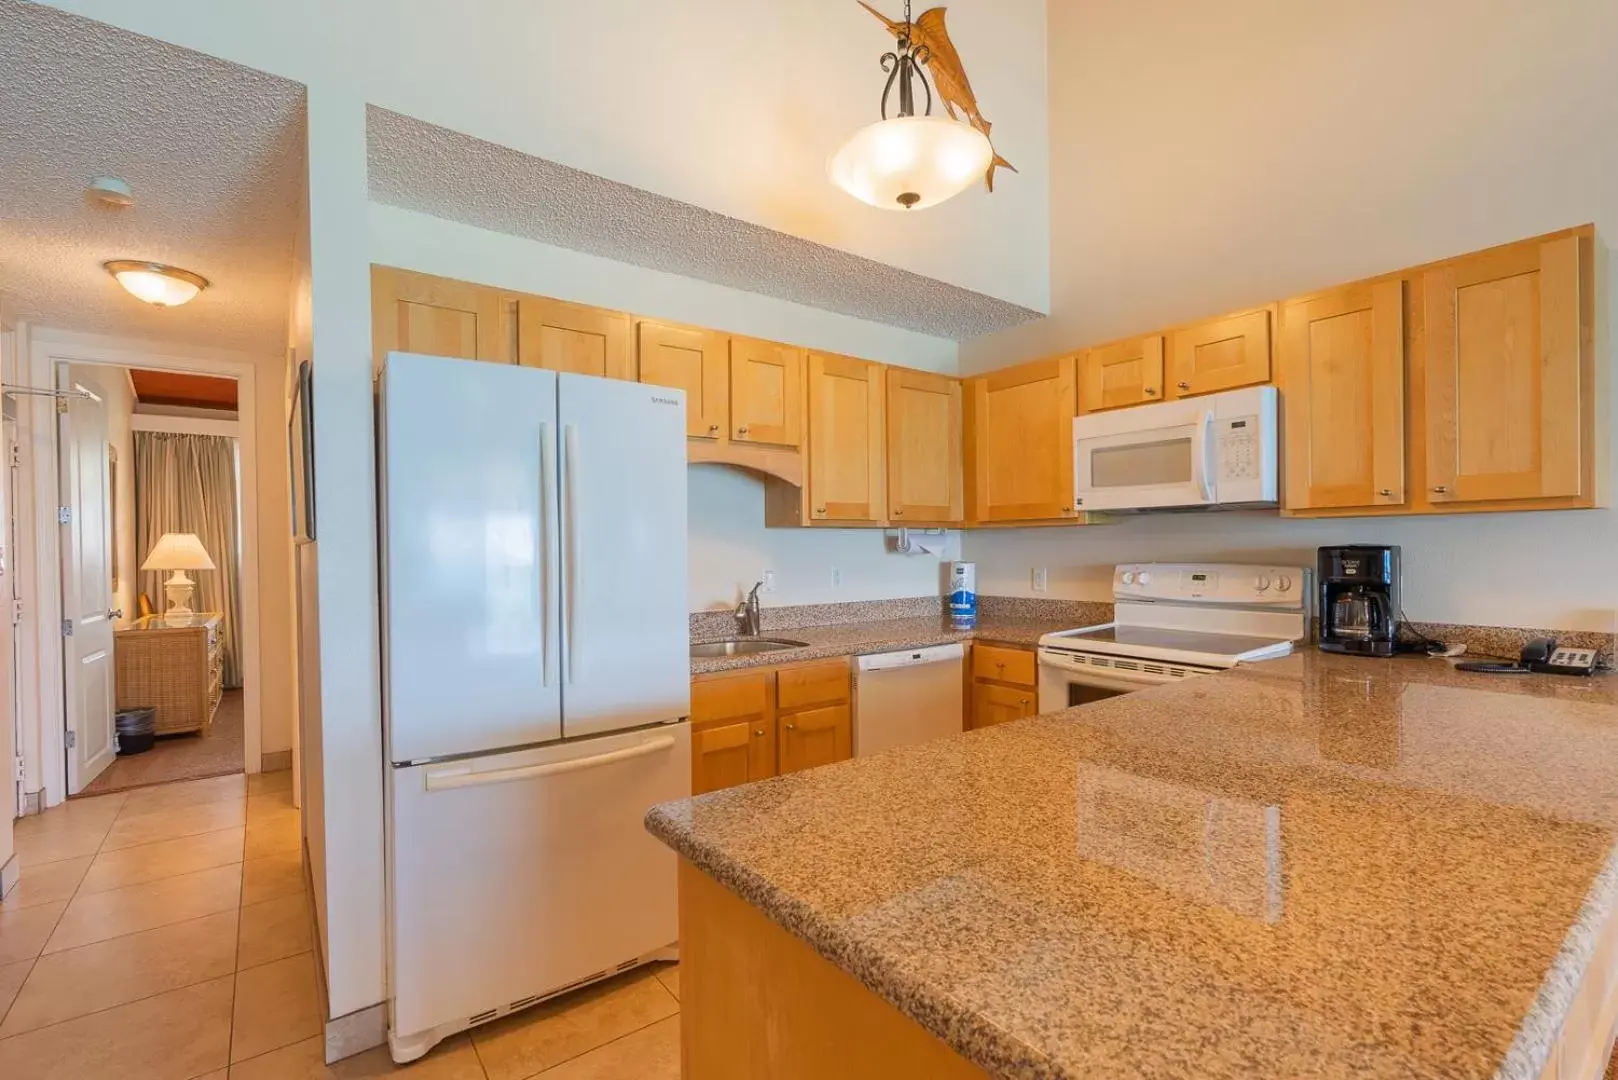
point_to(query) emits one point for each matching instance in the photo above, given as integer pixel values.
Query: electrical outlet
(769, 581)
(836, 576)
(1042, 579)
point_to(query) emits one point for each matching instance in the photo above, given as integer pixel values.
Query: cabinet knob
(898, 511)
(1183, 385)
(1067, 509)
(1151, 391)
(742, 431)
(1386, 493)
(1022, 701)
(1440, 490)
(713, 429)
(759, 732)
(820, 509)
(792, 727)
(1001, 664)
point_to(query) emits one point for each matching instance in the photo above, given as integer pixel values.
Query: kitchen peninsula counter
(1315, 866)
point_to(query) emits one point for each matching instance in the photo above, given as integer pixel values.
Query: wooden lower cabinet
(1004, 685)
(752, 724)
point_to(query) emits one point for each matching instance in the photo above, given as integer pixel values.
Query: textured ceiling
(213, 151)
(421, 167)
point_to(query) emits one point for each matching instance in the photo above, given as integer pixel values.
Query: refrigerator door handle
(463, 777)
(570, 544)
(544, 554)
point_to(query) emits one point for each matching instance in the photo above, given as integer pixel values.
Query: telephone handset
(1540, 655)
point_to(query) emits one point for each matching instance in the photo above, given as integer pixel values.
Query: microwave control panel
(1240, 455)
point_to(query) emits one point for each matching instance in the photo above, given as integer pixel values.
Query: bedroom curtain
(187, 484)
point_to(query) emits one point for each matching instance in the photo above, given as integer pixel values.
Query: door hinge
(64, 514)
(19, 770)
(67, 627)
(72, 739)
(16, 455)
(16, 612)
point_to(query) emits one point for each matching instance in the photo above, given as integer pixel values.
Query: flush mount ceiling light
(911, 162)
(164, 286)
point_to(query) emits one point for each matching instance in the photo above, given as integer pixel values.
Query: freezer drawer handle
(447, 780)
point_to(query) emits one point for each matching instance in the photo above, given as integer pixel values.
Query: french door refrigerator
(536, 679)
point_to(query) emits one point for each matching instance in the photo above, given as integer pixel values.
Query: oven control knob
(1263, 582)
(1129, 577)
(1143, 578)
(1283, 583)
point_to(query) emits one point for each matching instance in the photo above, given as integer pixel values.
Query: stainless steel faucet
(746, 614)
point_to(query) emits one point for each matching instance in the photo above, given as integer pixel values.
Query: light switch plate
(769, 580)
(836, 576)
(1042, 579)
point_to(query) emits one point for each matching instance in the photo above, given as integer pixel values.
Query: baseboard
(9, 874)
(275, 760)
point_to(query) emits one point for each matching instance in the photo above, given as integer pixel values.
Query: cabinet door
(1220, 354)
(1123, 373)
(422, 314)
(1342, 374)
(992, 704)
(559, 336)
(766, 392)
(735, 752)
(924, 448)
(845, 439)
(1505, 383)
(1021, 438)
(694, 361)
(815, 737)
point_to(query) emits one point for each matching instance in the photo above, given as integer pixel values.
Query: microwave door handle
(1201, 475)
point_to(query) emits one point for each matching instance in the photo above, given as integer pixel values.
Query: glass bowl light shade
(164, 286)
(910, 162)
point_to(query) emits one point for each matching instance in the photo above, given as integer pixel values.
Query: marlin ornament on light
(948, 74)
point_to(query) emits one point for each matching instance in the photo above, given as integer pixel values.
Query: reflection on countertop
(1318, 865)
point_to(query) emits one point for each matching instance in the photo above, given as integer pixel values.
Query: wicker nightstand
(178, 670)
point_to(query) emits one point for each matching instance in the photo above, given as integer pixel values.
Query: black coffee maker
(1359, 599)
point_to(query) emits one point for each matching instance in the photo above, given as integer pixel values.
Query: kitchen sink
(743, 646)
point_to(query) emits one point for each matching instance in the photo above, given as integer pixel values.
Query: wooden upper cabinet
(1020, 439)
(1342, 377)
(766, 392)
(1123, 373)
(692, 360)
(419, 313)
(846, 474)
(1219, 354)
(559, 336)
(924, 448)
(1508, 371)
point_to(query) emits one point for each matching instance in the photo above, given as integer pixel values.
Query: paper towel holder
(900, 540)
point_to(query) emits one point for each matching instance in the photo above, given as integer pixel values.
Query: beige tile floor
(166, 933)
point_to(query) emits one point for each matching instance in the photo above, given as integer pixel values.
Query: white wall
(1263, 149)
(112, 385)
(732, 105)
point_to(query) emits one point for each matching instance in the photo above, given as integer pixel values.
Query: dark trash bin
(137, 730)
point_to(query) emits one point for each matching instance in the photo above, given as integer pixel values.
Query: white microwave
(1213, 452)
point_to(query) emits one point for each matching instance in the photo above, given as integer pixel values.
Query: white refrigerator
(536, 682)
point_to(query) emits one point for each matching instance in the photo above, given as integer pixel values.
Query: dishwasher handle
(932, 654)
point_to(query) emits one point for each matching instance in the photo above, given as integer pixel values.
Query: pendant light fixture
(163, 286)
(910, 162)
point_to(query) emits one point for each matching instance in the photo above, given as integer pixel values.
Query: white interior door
(87, 668)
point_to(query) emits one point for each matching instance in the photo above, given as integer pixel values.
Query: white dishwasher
(907, 697)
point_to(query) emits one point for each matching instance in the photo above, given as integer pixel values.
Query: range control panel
(1212, 583)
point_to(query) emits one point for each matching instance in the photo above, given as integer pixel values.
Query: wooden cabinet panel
(845, 439)
(722, 697)
(730, 753)
(1020, 433)
(1004, 665)
(1220, 354)
(559, 336)
(419, 313)
(1506, 377)
(1123, 373)
(924, 448)
(1342, 376)
(812, 684)
(766, 392)
(815, 737)
(692, 360)
(995, 704)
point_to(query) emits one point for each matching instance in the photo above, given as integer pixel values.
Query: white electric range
(1175, 621)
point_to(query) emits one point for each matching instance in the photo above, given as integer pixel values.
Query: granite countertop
(881, 635)
(1315, 866)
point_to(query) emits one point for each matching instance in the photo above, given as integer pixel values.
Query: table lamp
(178, 552)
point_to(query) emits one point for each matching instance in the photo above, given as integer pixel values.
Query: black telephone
(1540, 655)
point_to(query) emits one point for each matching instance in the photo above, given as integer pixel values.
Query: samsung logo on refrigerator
(663, 400)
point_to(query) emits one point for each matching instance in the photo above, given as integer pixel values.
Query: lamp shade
(910, 162)
(178, 551)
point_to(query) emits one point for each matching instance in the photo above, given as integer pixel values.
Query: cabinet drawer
(1003, 665)
(812, 684)
(723, 697)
